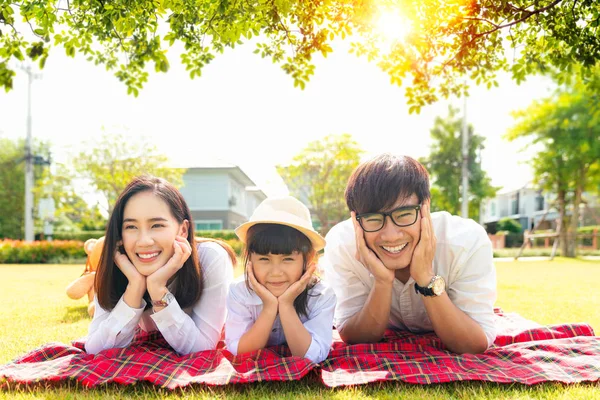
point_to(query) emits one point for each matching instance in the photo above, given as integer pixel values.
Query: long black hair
(110, 282)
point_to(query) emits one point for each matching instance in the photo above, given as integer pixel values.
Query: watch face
(439, 286)
(169, 298)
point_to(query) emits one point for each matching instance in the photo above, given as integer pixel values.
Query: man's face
(395, 245)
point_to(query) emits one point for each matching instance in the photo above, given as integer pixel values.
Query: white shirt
(195, 329)
(244, 307)
(463, 257)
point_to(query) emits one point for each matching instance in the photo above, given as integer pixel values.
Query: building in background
(220, 196)
(528, 206)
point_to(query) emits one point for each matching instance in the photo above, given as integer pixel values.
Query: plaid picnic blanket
(524, 352)
(150, 358)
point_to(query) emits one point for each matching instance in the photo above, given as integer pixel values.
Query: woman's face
(149, 230)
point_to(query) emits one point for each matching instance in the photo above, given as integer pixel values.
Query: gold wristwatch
(436, 287)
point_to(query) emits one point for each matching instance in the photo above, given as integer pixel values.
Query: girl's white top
(195, 329)
(244, 307)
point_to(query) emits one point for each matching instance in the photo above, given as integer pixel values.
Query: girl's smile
(277, 272)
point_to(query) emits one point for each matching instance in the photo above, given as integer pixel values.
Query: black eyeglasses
(402, 216)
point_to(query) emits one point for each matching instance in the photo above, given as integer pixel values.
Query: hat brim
(317, 240)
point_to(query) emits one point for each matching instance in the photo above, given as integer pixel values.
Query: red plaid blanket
(524, 352)
(150, 358)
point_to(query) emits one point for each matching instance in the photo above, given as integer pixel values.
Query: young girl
(153, 273)
(280, 301)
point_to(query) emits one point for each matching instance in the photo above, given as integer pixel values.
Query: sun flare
(392, 26)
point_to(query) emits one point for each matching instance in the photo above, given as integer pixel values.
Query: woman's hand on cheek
(268, 298)
(294, 290)
(136, 286)
(129, 270)
(158, 280)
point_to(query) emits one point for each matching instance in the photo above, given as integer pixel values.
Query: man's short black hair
(377, 184)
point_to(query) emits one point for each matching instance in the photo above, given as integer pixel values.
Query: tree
(72, 211)
(114, 160)
(444, 163)
(318, 175)
(566, 126)
(12, 184)
(448, 39)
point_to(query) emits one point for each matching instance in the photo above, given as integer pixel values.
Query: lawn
(35, 310)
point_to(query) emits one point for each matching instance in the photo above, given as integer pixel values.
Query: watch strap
(166, 299)
(424, 290)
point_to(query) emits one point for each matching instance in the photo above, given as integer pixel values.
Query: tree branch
(483, 20)
(498, 27)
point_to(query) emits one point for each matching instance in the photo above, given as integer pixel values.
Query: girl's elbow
(91, 349)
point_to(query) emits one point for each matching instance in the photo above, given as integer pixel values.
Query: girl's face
(149, 230)
(277, 272)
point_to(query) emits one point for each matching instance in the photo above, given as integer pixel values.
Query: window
(493, 209)
(514, 204)
(209, 225)
(539, 203)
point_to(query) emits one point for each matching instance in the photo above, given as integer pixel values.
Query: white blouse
(244, 307)
(187, 331)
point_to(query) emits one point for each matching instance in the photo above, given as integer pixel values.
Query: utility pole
(29, 160)
(465, 162)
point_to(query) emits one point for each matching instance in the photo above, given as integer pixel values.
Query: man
(393, 264)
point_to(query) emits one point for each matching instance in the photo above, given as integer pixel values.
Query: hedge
(57, 251)
(85, 235)
(79, 236)
(39, 252)
(222, 234)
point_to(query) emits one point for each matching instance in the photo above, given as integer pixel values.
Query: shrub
(39, 252)
(513, 240)
(588, 229)
(510, 225)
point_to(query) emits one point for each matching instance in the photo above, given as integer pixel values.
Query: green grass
(540, 252)
(35, 310)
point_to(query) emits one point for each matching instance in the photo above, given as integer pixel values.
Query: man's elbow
(477, 346)
(348, 335)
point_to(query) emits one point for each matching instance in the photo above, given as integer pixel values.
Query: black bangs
(376, 185)
(276, 239)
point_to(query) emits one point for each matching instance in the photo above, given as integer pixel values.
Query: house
(526, 205)
(220, 196)
(533, 208)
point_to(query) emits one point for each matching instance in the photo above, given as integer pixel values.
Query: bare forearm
(296, 335)
(258, 335)
(457, 330)
(134, 293)
(370, 323)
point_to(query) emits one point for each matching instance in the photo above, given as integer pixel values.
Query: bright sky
(245, 110)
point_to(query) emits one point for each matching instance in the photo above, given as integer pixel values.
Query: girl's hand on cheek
(290, 294)
(268, 298)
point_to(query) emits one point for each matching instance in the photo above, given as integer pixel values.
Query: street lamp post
(465, 162)
(29, 228)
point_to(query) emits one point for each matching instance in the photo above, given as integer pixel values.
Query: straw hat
(283, 211)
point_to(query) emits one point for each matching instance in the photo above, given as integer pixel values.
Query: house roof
(516, 187)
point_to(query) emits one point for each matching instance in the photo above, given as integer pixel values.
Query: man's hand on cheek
(368, 258)
(421, 266)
